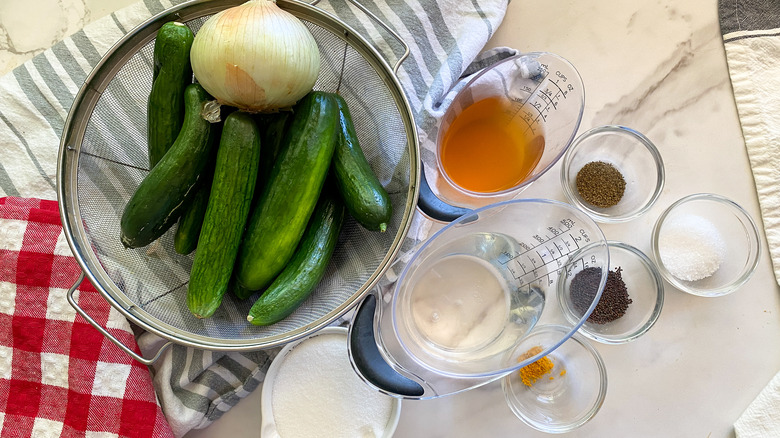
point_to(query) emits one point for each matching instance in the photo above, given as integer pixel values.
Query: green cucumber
(365, 198)
(188, 229)
(288, 199)
(185, 240)
(171, 74)
(168, 188)
(272, 129)
(235, 175)
(306, 268)
(239, 291)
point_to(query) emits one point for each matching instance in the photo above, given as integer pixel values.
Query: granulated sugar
(691, 247)
(317, 394)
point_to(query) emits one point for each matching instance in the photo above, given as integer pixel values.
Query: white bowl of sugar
(311, 390)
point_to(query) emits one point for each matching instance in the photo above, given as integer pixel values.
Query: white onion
(255, 56)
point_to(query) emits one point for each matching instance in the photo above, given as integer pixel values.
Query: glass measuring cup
(470, 294)
(509, 125)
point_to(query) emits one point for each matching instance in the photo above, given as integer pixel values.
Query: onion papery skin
(256, 57)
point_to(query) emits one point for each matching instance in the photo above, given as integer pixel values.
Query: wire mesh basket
(103, 158)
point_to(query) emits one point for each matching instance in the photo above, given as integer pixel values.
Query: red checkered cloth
(59, 377)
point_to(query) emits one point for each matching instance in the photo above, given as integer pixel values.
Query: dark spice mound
(614, 299)
(600, 184)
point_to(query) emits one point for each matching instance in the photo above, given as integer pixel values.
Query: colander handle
(104, 332)
(389, 30)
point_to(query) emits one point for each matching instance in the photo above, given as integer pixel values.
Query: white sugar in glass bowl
(706, 244)
(311, 390)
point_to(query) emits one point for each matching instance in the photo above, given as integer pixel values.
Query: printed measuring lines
(540, 101)
(545, 254)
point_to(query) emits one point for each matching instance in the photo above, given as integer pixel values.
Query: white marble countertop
(658, 67)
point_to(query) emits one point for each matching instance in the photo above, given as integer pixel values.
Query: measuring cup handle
(104, 332)
(432, 206)
(367, 359)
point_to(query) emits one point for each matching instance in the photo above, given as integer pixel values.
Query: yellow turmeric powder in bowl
(534, 371)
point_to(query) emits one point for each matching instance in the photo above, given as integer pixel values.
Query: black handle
(432, 206)
(365, 353)
(369, 361)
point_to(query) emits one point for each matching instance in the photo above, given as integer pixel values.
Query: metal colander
(103, 158)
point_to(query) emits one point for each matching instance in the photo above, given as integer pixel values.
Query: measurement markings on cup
(543, 100)
(546, 256)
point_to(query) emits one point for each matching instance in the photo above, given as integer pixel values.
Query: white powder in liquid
(317, 394)
(691, 248)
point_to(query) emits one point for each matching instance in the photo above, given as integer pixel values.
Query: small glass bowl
(717, 230)
(632, 154)
(570, 395)
(645, 288)
(268, 426)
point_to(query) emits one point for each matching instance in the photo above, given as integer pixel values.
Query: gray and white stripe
(446, 38)
(751, 39)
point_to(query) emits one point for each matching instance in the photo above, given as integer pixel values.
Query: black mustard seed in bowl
(614, 299)
(629, 304)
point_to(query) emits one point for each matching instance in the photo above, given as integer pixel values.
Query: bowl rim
(656, 277)
(506, 387)
(751, 229)
(268, 425)
(575, 199)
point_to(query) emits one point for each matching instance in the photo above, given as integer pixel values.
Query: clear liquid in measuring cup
(464, 303)
(460, 303)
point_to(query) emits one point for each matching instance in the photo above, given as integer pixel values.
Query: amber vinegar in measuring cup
(506, 127)
(487, 150)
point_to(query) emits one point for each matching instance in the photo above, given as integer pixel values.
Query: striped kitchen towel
(446, 38)
(751, 37)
